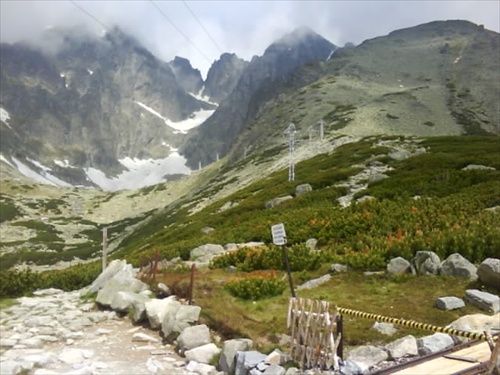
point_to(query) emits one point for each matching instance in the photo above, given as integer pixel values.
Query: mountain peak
(300, 36)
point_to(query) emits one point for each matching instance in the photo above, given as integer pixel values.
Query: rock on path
(57, 332)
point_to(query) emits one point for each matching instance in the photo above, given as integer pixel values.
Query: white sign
(279, 235)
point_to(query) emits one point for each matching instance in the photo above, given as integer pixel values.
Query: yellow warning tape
(413, 324)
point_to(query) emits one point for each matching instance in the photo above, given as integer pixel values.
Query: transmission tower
(321, 129)
(291, 167)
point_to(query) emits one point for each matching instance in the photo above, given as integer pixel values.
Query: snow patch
(140, 173)
(202, 97)
(196, 119)
(63, 163)
(152, 111)
(5, 117)
(90, 71)
(457, 59)
(43, 177)
(62, 75)
(331, 54)
(2, 158)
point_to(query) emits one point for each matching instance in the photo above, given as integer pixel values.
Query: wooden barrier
(312, 326)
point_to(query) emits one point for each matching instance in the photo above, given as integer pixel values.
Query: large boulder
(426, 263)
(192, 337)
(489, 272)
(483, 300)
(202, 354)
(157, 309)
(434, 343)
(205, 253)
(457, 265)
(274, 202)
(449, 303)
(228, 353)
(121, 284)
(110, 271)
(124, 301)
(403, 347)
(302, 189)
(367, 356)
(398, 266)
(178, 319)
(476, 323)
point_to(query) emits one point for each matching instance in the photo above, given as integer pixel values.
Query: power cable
(180, 31)
(203, 27)
(90, 15)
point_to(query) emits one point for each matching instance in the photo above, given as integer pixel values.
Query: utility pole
(291, 167)
(104, 247)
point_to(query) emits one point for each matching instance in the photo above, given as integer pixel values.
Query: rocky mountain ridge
(114, 126)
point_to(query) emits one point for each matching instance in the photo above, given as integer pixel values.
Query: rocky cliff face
(187, 77)
(217, 135)
(223, 76)
(93, 102)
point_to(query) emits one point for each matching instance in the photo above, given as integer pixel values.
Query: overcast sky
(242, 27)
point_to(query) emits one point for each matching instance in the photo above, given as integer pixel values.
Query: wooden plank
(447, 366)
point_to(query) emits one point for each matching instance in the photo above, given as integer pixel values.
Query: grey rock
(230, 247)
(292, 371)
(311, 244)
(143, 337)
(399, 155)
(403, 347)
(193, 337)
(123, 301)
(275, 370)
(434, 343)
(247, 360)
(426, 263)
(457, 265)
(10, 367)
(302, 189)
(156, 309)
(5, 342)
(449, 303)
(367, 356)
(351, 367)
(108, 292)
(276, 201)
(178, 319)
(228, 353)
(478, 167)
(202, 354)
(338, 268)
(376, 177)
(201, 368)
(476, 323)
(164, 289)
(387, 329)
(489, 272)
(483, 300)
(398, 266)
(205, 253)
(207, 229)
(315, 282)
(364, 198)
(113, 268)
(73, 355)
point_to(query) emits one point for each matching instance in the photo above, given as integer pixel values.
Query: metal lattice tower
(291, 167)
(321, 129)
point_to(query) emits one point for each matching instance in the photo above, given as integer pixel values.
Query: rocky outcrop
(187, 77)
(223, 76)
(489, 272)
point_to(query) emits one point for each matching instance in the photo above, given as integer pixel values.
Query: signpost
(279, 238)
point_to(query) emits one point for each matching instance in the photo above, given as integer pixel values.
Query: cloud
(242, 27)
